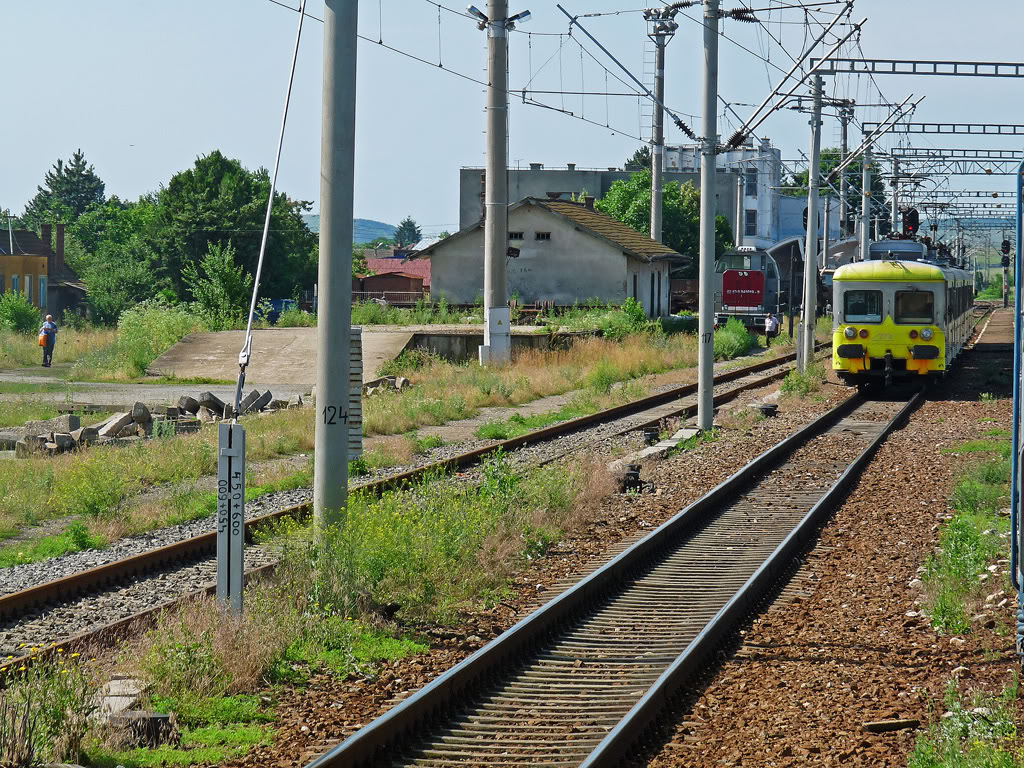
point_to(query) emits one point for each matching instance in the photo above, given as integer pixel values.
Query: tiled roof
(26, 242)
(413, 267)
(635, 243)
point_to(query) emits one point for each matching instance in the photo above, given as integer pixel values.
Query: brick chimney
(59, 251)
(588, 201)
(46, 235)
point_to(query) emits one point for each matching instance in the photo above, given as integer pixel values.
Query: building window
(515, 235)
(650, 310)
(634, 286)
(42, 291)
(750, 224)
(543, 235)
(3, 283)
(659, 293)
(750, 187)
(15, 286)
(28, 288)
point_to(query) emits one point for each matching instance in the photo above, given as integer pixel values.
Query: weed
(423, 313)
(733, 340)
(980, 733)
(75, 538)
(518, 424)
(967, 544)
(802, 384)
(427, 443)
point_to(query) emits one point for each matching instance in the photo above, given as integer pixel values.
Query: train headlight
(863, 333)
(926, 334)
(850, 333)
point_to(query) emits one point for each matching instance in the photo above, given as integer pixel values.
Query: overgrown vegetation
(44, 711)
(970, 540)
(802, 384)
(422, 313)
(18, 314)
(976, 732)
(425, 552)
(733, 340)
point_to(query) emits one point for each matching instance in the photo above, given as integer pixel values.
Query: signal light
(863, 333)
(913, 334)
(911, 221)
(1005, 246)
(1006, 261)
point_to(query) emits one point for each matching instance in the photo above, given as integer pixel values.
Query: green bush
(149, 329)
(18, 314)
(797, 383)
(293, 317)
(733, 340)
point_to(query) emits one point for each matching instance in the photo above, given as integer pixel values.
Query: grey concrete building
(540, 182)
(565, 252)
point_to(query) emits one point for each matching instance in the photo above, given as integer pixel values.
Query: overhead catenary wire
(245, 355)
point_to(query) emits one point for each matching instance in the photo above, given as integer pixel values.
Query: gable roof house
(30, 265)
(567, 252)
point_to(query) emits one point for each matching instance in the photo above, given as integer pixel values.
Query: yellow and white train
(897, 317)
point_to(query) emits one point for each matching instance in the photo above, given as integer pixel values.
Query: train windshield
(915, 307)
(862, 306)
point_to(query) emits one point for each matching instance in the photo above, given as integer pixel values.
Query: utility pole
(845, 115)
(497, 346)
(334, 275)
(808, 310)
(865, 205)
(826, 223)
(662, 31)
(708, 168)
(740, 207)
(895, 195)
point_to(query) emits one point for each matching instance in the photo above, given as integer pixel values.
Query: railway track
(579, 681)
(187, 564)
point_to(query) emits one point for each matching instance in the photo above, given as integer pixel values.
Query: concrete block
(21, 450)
(85, 435)
(247, 401)
(277, 404)
(36, 443)
(207, 415)
(129, 430)
(172, 412)
(144, 430)
(141, 414)
(261, 402)
(112, 427)
(212, 402)
(64, 441)
(188, 403)
(295, 402)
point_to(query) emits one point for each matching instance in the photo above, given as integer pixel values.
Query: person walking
(49, 330)
(771, 328)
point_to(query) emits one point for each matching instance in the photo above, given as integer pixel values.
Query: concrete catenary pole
(740, 208)
(895, 196)
(709, 150)
(334, 276)
(844, 123)
(497, 317)
(808, 315)
(825, 224)
(865, 205)
(658, 150)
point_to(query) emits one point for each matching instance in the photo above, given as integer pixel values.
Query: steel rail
(62, 589)
(401, 723)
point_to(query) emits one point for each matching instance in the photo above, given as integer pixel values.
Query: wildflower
(21, 668)
(60, 650)
(75, 655)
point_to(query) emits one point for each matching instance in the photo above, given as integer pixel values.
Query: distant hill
(363, 230)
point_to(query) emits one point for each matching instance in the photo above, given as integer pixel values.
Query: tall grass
(98, 485)
(20, 350)
(733, 340)
(423, 313)
(144, 332)
(444, 391)
(968, 542)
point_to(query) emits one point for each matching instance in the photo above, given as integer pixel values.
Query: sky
(144, 88)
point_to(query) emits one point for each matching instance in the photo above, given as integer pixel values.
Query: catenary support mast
(337, 178)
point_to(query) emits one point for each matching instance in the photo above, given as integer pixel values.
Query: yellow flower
(60, 650)
(21, 668)
(22, 645)
(75, 655)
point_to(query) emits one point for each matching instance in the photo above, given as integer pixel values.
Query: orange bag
(42, 339)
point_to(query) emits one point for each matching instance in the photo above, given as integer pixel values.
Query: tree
(222, 289)
(217, 201)
(630, 202)
(642, 157)
(408, 233)
(795, 184)
(68, 191)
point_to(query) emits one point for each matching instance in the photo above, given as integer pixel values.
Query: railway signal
(911, 221)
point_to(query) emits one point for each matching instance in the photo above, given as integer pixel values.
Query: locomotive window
(862, 306)
(915, 307)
